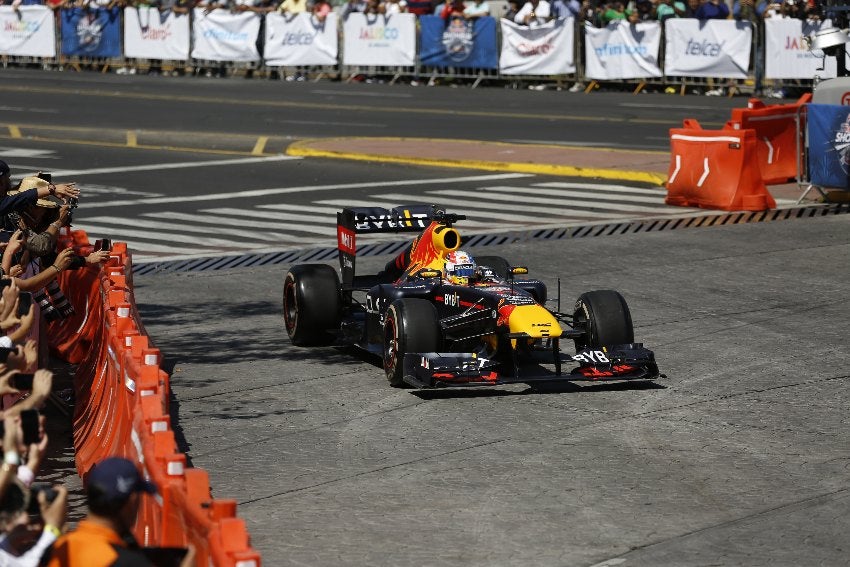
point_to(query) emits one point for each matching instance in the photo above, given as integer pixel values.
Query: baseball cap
(116, 478)
(4, 168)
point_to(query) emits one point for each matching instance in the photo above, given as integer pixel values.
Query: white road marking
(351, 94)
(305, 189)
(177, 165)
(543, 213)
(7, 153)
(34, 110)
(216, 218)
(119, 233)
(329, 212)
(184, 227)
(589, 193)
(559, 206)
(599, 187)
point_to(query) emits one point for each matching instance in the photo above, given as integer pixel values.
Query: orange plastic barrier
(122, 409)
(715, 169)
(778, 137)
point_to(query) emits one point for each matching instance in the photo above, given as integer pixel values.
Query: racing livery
(483, 327)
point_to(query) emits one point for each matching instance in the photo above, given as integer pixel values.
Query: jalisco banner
(379, 40)
(27, 32)
(622, 51)
(151, 34)
(460, 43)
(300, 39)
(220, 35)
(786, 55)
(707, 48)
(91, 32)
(540, 50)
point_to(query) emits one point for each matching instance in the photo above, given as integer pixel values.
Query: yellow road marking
(14, 131)
(131, 139)
(260, 146)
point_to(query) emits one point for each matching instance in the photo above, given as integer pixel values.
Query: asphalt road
(739, 457)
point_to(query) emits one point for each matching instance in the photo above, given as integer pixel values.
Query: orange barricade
(778, 136)
(121, 409)
(715, 169)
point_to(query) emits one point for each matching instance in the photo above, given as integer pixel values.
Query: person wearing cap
(35, 188)
(105, 538)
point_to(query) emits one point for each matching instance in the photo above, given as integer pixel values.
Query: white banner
(379, 40)
(541, 50)
(786, 55)
(300, 39)
(224, 36)
(28, 32)
(622, 51)
(151, 34)
(707, 48)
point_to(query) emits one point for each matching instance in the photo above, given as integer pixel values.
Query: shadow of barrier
(122, 409)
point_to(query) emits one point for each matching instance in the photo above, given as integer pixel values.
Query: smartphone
(29, 423)
(165, 556)
(4, 354)
(21, 381)
(24, 302)
(46, 176)
(50, 495)
(103, 244)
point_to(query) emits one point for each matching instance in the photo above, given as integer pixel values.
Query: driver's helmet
(459, 268)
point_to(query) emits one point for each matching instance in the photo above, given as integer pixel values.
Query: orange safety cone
(715, 169)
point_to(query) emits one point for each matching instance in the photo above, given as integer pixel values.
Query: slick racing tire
(499, 265)
(312, 304)
(606, 317)
(410, 326)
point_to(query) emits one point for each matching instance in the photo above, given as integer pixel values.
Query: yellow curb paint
(14, 131)
(260, 146)
(544, 169)
(131, 139)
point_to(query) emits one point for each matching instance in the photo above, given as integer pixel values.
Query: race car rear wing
(352, 221)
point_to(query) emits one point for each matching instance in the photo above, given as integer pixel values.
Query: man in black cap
(105, 538)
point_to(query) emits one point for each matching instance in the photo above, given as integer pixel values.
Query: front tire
(312, 304)
(606, 318)
(410, 326)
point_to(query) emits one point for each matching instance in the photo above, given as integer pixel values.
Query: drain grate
(480, 240)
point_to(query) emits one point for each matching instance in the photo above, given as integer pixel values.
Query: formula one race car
(438, 318)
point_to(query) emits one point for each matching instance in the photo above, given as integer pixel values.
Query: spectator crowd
(32, 513)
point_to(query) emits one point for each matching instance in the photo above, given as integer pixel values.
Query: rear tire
(312, 304)
(606, 317)
(410, 326)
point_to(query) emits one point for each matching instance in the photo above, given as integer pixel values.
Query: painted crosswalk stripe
(183, 227)
(603, 187)
(568, 206)
(137, 240)
(328, 213)
(225, 217)
(589, 193)
(120, 233)
(542, 214)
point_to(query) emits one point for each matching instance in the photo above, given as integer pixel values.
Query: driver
(459, 268)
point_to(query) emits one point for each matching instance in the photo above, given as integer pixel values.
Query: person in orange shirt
(104, 538)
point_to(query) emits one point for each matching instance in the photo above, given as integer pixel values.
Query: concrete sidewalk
(569, 161)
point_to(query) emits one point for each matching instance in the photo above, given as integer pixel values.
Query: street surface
(738, 457)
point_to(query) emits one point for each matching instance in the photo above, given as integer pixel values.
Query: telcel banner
(707, 48)
(786, 55)
(27, 32)
(829, 145)
(220, 35)
(300, 39)
(151, 34)
(379, 40)
(540, 50)
(622, 51)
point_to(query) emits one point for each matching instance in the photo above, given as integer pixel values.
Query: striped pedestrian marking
(210, 231)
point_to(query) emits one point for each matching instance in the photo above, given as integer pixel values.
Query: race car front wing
(448, 370)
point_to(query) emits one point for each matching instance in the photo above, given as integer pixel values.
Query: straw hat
(34, 183)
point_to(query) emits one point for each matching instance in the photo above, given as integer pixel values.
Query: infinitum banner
(27, 31)
(220, 35)
(622, 51)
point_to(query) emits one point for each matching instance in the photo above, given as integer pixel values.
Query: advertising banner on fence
(622, 51)
(151, 34)
(707, 48)
(300, 39)
(27, 32)
(221, 35)
(459, 43)
(379, 40)
(91, 32)
(829, 145)
(541, 50)
(786, 55)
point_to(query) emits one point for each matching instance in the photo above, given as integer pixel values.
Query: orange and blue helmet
(459, 267)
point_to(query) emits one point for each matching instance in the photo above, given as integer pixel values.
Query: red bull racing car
(439, 318)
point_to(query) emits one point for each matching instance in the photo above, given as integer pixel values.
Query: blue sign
(829, 145)
(91, 32)
(457, 42)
